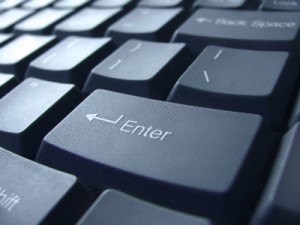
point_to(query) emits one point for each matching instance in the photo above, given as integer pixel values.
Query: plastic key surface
(87, 22)
(17, 54)
(31, 110)
(114, 207)
(4, 38)
(140, 68)
(113, 3)
(42, 22)
(71, 60)
(161, 3)
(281, 5)
(280, 203)
(146, 24)
(183, 157)
(8, 4)
(240, 29)
(70, 4)
(31, 193)
(38, 4)
(10, 17)
(239, 80)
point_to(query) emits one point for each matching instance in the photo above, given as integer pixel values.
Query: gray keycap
(281, 5)
(34, 194)
(240, 29)
(280, 203)
(114, 207)
(71, 60)
(30, 110)
(157, 150)
(239, 80)
(140, 68)
(7, 82)
(10, 17)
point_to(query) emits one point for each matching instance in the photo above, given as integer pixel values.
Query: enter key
(157, 150)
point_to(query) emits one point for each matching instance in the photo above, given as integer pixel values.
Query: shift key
(157, 150)
(241, 29)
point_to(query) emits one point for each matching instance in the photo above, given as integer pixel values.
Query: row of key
(143, 97)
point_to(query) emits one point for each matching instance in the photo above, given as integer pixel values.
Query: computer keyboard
(165, 112)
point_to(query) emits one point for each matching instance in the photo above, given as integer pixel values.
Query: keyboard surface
(142, 112)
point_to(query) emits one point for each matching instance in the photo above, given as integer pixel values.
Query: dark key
(34, 194)
(113, 3)
(87, 22)
(4, 38)
(161, 3)
(7, 82)
(239, 80)
(136, 25)
(228, 4)
(16, 55)
(38, 4)
(281, 5)
(114, 207)
(140, 68)
(295, 113)
(9, 4)
(240, 29)
(71, 60)
(183, 157)
(280, 203)
(42, 22)
(9, 18)
(70, 4)
(30, 110)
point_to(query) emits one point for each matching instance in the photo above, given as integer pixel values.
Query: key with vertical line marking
(239, 80)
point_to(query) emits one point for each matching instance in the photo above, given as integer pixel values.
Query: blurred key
(17, 54)
(38, 4)
(241, 29)
(34, 194)
(280, 203)
(42, 22)
(7, 82)
(31, 110)
(161, 3)
(71, 60)
(187, 158)
(114, 207)
(9, 18)
(70, 4)
(239, 80)
(281, 5)
(113, 3)
(8, 4)
(87, 22)
(227, 4)
(146, 24)
(140, 68)
(4, 38)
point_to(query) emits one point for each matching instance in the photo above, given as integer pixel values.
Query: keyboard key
(295, 113)
(280, 203)
(31, 110)
(71, 60)
(228, 4)
(71, 4)
(7, 82)
(16, 55)
(140, 68)
(4, 38)
(161, 3)
(8, 4)
(113, 3)
(114, 207)
(239, 80)
(9, 18)
(34, 194)
(240, 29)
(282, 5)
(183, 157)
(42, 22)
(88, 22)
(136, 25)
(38, 4)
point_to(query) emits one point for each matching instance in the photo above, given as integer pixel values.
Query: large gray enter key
(157, 150)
